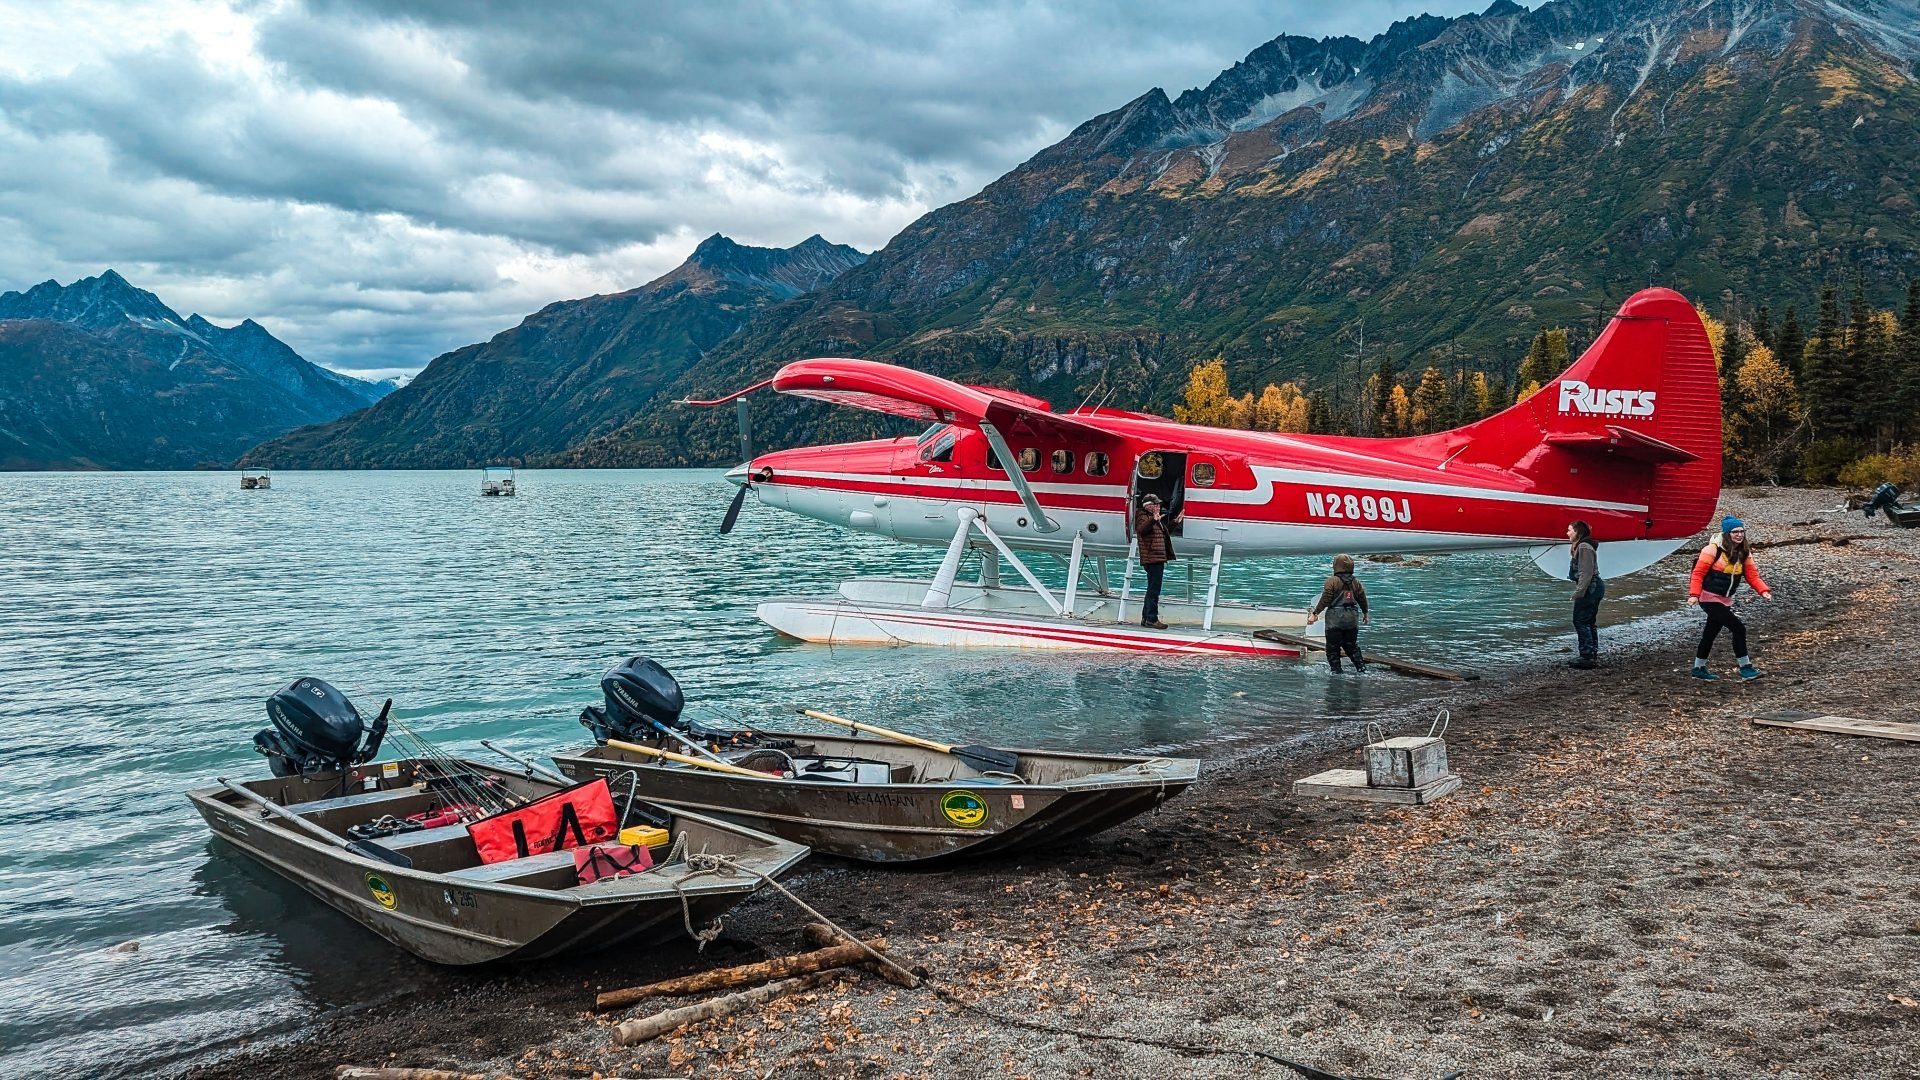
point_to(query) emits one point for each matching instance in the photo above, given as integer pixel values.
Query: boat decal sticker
(382, 892)
(1019, 801)
(964, 809)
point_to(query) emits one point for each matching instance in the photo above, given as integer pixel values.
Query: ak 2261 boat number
(1352, 507)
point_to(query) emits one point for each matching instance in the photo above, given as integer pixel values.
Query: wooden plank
(1841, 725)
(1352, 784)
(1405, 667)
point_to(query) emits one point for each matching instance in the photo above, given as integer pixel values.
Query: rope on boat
(917, 978)
(1158, 767)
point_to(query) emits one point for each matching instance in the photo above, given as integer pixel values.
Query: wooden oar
(668, 755)
(983, 758)
(363, 848)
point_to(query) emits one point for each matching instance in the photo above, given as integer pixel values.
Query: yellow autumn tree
(1208, 401)
(1400, 410)
(1716, 335)
(1768, 413)
(1281, 407)
(1432, 402)
(1240, 412)
(1527, 390)
(1479, 394)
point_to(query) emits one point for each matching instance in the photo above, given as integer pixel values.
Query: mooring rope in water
(706, 863)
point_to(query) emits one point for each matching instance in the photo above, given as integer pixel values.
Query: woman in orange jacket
(1717, 574)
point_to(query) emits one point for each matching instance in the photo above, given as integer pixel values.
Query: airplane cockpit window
(927, 435)
(1202, 474)
(1063, 461)
(939, 448)
(1029, 459)
(1150, 465)
(993, 459)
(1096, 463)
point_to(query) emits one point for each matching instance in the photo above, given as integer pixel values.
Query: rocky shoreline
(1634, 881)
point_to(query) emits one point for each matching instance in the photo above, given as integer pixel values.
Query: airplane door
(1162, 473)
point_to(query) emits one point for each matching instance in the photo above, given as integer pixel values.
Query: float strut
(1032, 582)
(1073, 575)
(940, 592)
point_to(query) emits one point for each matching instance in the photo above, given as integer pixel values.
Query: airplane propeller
(733, 511)
(739, 497)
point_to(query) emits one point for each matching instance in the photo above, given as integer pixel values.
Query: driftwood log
(648, 1027)
(823, 935)
(838, 956)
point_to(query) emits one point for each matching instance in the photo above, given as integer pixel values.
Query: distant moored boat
(255, 480)
(496, 480)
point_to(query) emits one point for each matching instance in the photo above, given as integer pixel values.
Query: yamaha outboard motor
(317, 730)
(638, 691)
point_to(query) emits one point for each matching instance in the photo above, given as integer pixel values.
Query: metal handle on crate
(1441, 720)
(1375, 733)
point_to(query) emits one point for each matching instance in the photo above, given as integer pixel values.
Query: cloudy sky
(378, 183)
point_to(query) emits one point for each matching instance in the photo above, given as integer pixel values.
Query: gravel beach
(1634, 881)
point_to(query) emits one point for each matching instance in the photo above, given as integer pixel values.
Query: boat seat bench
(369, 800)
(422, 837)
(511, 869)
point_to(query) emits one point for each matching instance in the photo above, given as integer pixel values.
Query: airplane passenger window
(1029, 459)
(1096, 463)
(940, 450)
(1202, 474)
(1150, 466)
(1063, 461)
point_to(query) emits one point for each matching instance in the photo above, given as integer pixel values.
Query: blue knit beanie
(1728, 524)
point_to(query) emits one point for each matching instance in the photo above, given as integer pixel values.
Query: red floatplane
(1628, 438)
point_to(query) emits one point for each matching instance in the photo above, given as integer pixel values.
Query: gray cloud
(379, 182)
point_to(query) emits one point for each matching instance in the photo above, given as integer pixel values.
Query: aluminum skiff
(929, 806)
(447, 907)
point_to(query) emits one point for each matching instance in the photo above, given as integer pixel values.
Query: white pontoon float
(1087, 614)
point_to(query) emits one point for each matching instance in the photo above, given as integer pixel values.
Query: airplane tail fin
(1635, 420)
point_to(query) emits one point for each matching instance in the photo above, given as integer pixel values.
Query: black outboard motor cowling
(317, 730)
(638, 692)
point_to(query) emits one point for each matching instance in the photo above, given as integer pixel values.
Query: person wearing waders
(1588, 590)
(1717, 573)
(1345, 602)
(1156, 550)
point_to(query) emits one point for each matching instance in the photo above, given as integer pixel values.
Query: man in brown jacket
(1344, 600)
(1156, 550)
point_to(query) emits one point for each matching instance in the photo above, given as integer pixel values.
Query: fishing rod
(483, 795)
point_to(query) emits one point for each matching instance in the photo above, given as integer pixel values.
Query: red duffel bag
(571, 817)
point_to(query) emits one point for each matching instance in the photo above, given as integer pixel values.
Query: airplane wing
(916, 395)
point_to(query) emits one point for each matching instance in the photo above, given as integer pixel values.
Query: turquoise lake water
(146, 617)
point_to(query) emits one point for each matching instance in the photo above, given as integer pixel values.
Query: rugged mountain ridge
(571, 371)
(1455, 183)
(102, 374)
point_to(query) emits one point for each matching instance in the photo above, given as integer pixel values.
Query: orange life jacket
(568, 818)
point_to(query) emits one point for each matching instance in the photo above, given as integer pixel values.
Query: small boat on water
(496, 480)
(894, 799)
(255, 480)
(422, 850)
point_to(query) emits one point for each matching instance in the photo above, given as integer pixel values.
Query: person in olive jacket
(1344, 600)
(1156, 550)
(1589, 588)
